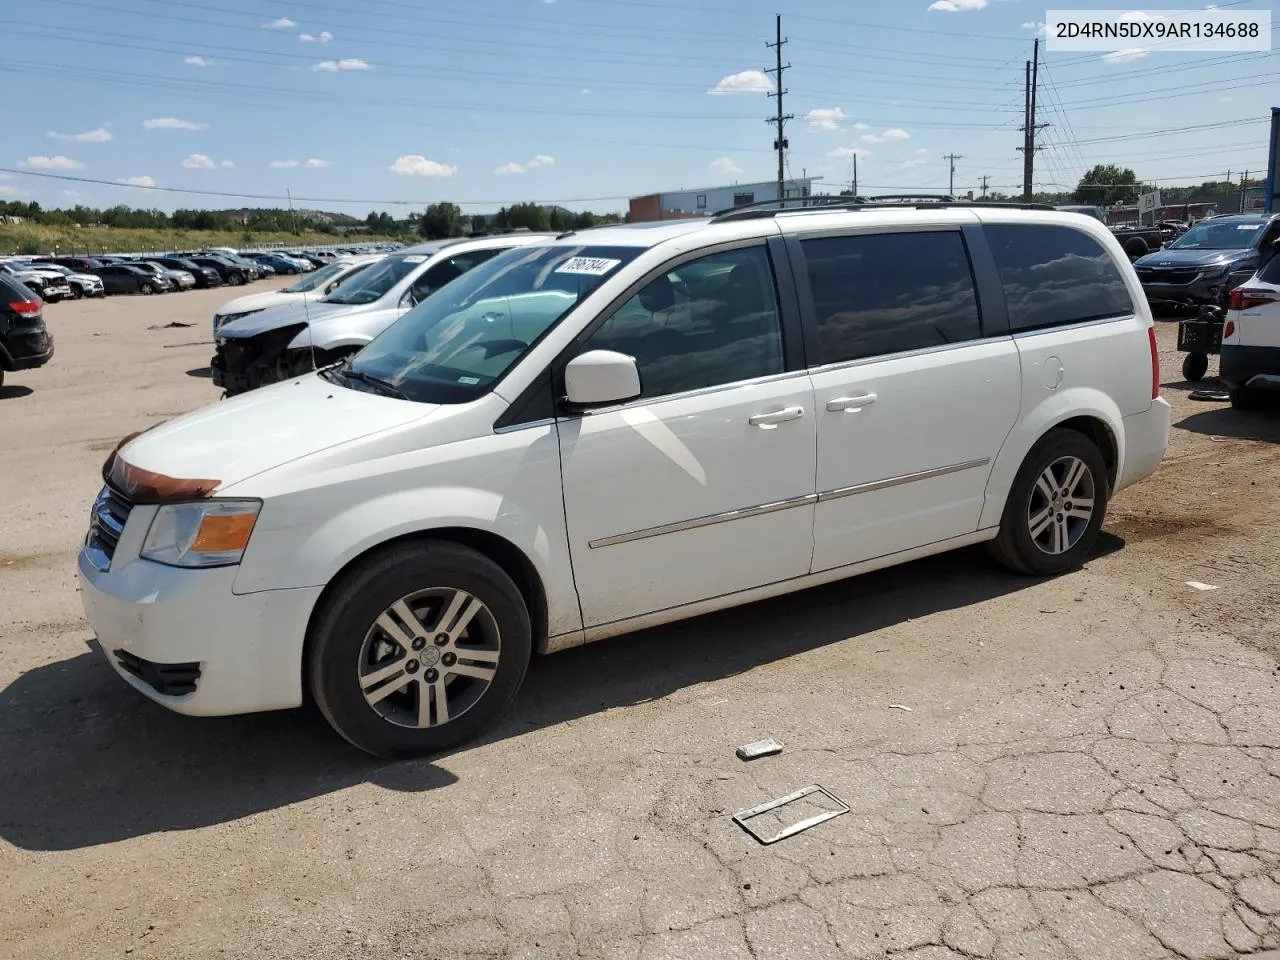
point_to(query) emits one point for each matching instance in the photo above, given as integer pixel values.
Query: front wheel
(418, 648)
(236, 279)
(1055, 507)
(147, 289)
(77, 293)
(1195, 366)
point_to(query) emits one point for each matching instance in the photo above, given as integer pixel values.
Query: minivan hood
(261, 301)
(1190, 258)
(241, 437)
(284, 315)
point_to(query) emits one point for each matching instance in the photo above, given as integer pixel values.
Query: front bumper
(1195, 293)
(1257, 368)
(240, 364)
(1146, 437)
(183, 639)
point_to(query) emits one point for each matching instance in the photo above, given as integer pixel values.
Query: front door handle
(851, 404)
(768, 421)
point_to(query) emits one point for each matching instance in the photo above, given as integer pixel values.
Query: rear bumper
(1146, 436)
(1257, 368)
(25, 351)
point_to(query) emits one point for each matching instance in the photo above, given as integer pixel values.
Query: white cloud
(71, 194)
(918, 162)
(323, 37)
(748, 81)
(585, 90)
(889, 136)
(227, 163)
(541, 160)
(172, 123)
(956, 6)
(198, 161)
(285, 164)
(280, 23)
(1123, 56)
(1037, 25)
(11, 192)
(415, 165)
(1140, 16)
(333, 66)
(143, 181)
(922, 151)
(511, 167)
(848, 153)
(52, 163)
(725, 165)
(315, 164)
(101, 135)
(199, 62)
(824, 118)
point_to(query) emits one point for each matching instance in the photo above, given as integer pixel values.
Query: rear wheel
(1242, 399)
(1055, 507)
(418, 648)
(1195, 366)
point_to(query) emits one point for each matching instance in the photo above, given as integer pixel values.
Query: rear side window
(1271, 272)
(877, 294)
(1055, 275)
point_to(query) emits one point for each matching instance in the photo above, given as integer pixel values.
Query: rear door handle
(850, 404)
(770, 420)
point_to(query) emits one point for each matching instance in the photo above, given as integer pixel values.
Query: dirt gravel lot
(1089, 766)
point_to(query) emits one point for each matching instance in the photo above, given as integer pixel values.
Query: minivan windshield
(1219, 235)
(320, 277)
(457, 343)
(373, 284)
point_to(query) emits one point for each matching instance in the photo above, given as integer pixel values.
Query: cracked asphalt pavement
(1088, 767)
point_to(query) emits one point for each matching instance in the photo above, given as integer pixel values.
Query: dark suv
(1208, 261)
(24, 341)
(205, 276)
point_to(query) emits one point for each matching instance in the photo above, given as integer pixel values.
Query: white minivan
(618, 428)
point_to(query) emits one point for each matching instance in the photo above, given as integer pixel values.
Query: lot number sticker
(588, 266)
(415, 259)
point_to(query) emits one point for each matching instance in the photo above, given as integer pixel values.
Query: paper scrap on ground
(1201, 586)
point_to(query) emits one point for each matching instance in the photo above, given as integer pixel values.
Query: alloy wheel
(429, 657)
(1061, 505)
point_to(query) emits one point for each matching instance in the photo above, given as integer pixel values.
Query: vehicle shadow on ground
(15, 391)
(1262, 424)
(89, 761)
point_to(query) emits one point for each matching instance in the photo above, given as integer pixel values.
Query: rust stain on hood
(148, 487)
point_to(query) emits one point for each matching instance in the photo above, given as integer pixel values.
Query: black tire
(1014, 547)
(1242, 399)
(1, 378)
(77, 293)
(1195, 366)
(348, 614)
(1136, 247)
(236, 279)
(146, 288)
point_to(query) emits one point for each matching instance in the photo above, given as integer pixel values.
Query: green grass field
(39, 239)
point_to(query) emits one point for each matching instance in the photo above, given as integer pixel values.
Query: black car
(205, 276)
(233, 273)
(78, 264)
(24, 341)
(126, 278)
(1210, 260)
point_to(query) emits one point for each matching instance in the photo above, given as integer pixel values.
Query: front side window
(446, 271)
(317, 279)
(1055, 275)
(456, 344)
(704, 323)
(877, 294)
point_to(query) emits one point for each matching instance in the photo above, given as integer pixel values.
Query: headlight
(210, 533)
(1217, 270)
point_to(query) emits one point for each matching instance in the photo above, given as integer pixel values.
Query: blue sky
(497, 101)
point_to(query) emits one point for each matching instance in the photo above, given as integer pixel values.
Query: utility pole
(855, 174)
(779, 119)
(1029, 126)
(951, 183)
(984, 186)
(292, 219)
(1244, 178)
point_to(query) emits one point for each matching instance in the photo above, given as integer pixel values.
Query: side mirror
(330, 287)
(1275, 244)
(600, 377)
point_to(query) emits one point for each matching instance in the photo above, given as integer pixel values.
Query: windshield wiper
(384, 386)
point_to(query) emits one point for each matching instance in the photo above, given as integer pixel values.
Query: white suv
(619, 428)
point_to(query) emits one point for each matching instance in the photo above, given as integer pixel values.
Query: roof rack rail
(904, 201)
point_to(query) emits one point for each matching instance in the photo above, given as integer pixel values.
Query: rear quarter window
(1271, 272)
(1056, 275)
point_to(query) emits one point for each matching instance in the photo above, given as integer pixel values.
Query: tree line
(443, 220)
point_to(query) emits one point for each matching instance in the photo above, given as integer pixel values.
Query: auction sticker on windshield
(588, 266)
(415, 259)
